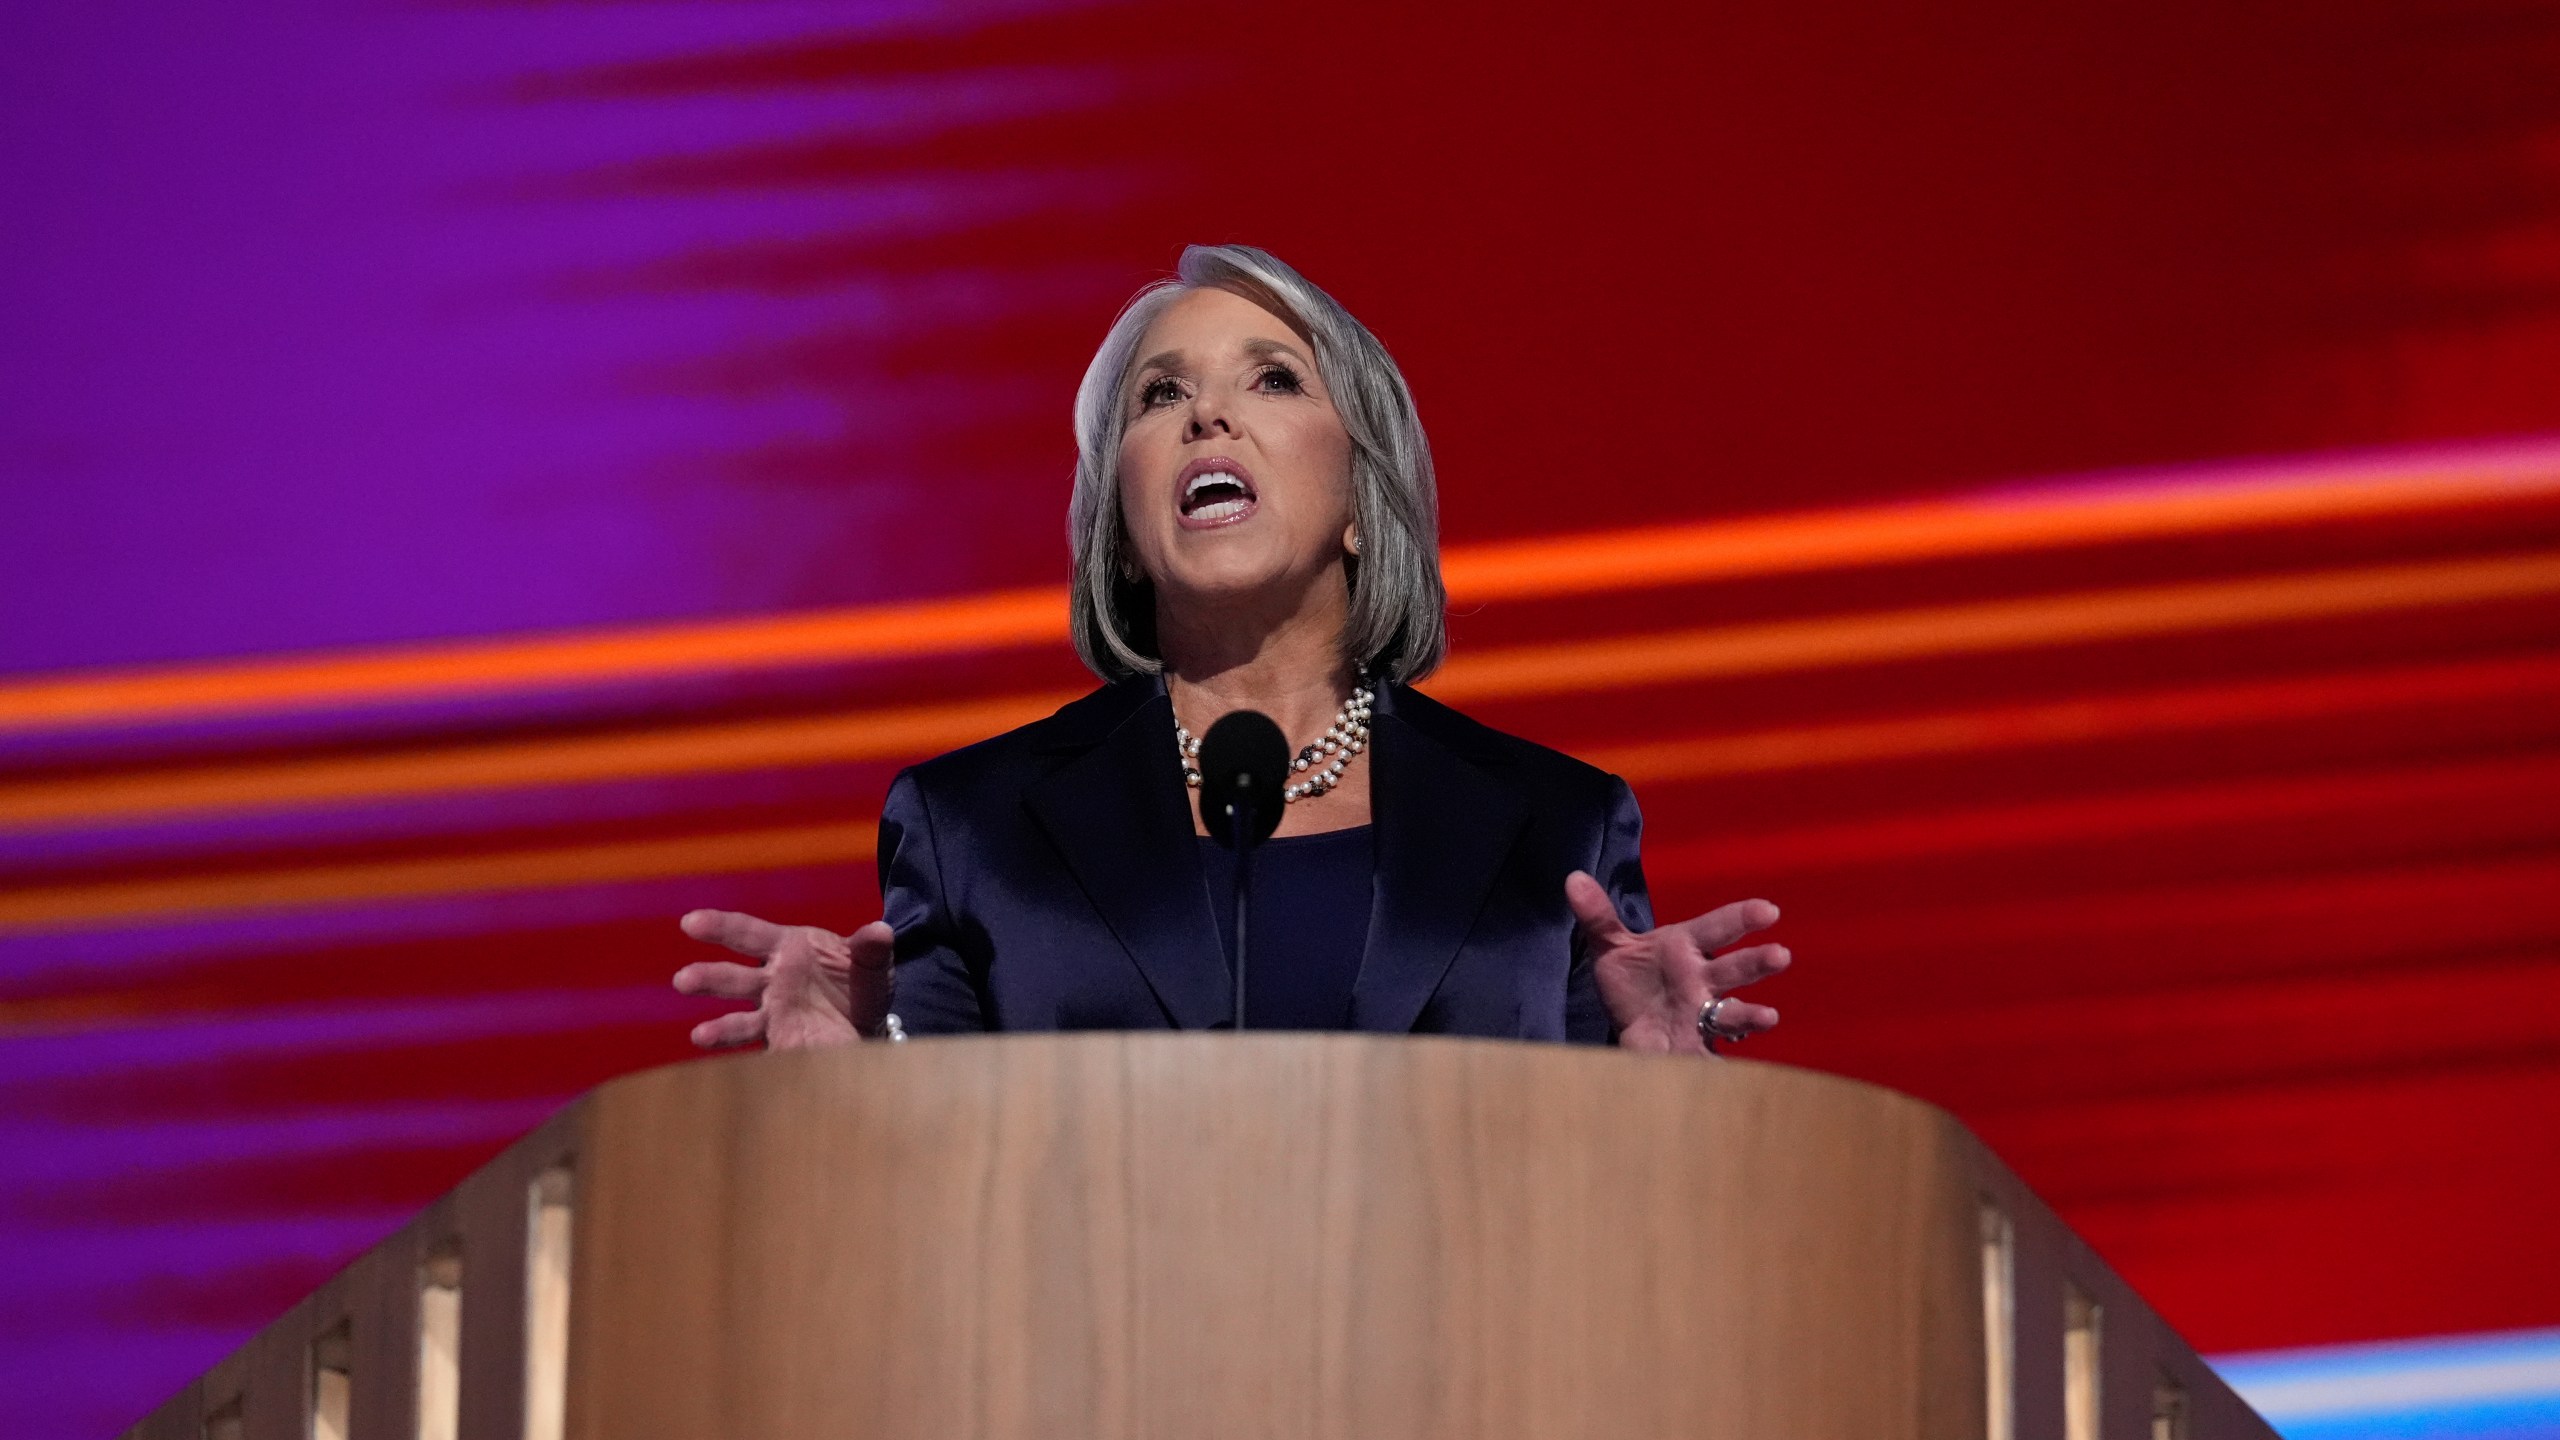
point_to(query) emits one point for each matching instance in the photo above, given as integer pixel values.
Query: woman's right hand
(812, 987)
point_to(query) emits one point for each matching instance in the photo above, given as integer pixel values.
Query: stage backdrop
(2064, 499)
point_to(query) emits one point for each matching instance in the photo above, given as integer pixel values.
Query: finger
(1722, 926)
(722, 978)
(728, 1032)
(1590, 903)
(743, 933)
(1736, 968)
(874, 949)
(1741, 1017)
(874, 946)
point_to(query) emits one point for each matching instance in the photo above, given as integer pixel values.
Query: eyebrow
(1172, 359)
(1272, 347)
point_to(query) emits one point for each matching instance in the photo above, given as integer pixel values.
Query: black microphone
(1244, 762)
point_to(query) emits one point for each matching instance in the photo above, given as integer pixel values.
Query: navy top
(1311, 898)
(1051, 879)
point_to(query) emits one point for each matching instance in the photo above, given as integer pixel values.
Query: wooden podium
(1192, 1236)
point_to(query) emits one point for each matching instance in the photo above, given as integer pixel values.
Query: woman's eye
(1159, 391)
(1282, 378)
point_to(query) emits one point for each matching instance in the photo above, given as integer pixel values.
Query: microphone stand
(1243, 761)
(1240, 818)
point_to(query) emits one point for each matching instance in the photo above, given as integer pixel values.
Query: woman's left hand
(1655, 984)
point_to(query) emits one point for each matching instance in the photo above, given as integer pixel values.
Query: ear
(1351, 538)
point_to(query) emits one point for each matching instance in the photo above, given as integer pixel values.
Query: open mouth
(1216, 491)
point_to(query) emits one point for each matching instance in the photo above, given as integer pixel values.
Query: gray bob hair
(1397, 628)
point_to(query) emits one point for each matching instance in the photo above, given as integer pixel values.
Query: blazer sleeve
(933, 989)
(1620, 870)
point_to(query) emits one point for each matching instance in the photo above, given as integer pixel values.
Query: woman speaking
(1254, 527)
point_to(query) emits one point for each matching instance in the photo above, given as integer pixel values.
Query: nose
(1210, 415)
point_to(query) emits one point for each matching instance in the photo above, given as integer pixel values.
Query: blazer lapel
(1120, 817)
(1443, 829)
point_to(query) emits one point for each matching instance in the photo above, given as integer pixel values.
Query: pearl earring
(1355, 544)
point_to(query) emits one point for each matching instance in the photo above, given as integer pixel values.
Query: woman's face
(1235, 471)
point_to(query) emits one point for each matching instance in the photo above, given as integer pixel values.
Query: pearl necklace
(1347, 736)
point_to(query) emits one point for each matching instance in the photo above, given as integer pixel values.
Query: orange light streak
(1936, 631)
(1971, 525)
(283, 684)
(845, 738)
(1589, 666)
(2062, 722)
(1791, 748)
(1600, 561)
(130, 902)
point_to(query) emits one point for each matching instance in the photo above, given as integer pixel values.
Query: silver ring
(1710, 1032)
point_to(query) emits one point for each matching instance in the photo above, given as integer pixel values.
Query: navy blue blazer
(1048, 879)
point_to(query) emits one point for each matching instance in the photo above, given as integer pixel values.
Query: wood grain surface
(1195, 1235)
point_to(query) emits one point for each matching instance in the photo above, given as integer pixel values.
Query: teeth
(1219, 510)
(1213, 477)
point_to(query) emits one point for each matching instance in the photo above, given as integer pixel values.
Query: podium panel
(1171, 1235)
